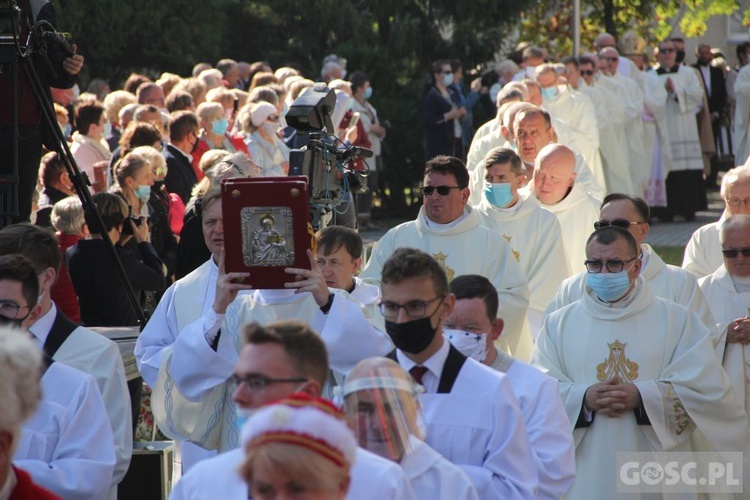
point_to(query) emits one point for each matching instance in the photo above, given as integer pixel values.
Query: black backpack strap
(58, 334)
(451, 369)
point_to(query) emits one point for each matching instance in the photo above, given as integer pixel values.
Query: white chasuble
(664, 350)
(703, 251)
(466, 248)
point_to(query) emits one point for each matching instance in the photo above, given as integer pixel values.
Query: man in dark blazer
(183, 137)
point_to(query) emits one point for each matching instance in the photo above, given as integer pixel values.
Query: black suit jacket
(180, 177)
(717, 99)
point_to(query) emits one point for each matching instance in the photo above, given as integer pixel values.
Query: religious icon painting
(267, 236)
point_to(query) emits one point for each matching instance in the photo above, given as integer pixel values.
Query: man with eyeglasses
(728, 292)
(533, 233)
(449, 230)
(472, 416)
(666, 281)
(555, 187)
(685, 189)
(184, 131)
(703, 251)
(637, 373)
(610, 119)
(276, 361)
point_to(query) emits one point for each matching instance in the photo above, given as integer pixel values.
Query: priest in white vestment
(685, 184)
(656, 141)
(381, 402)
(574, 119)
(472, 417)
(555, 187)
(728, 292)
(533, 233)
(450, 232)
(637, 373)
(285, 357)
(742, 116)
(703, 251)
(666, 281)
(498, 133)
(472, 328)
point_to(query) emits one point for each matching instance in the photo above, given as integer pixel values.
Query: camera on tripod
(325, 160)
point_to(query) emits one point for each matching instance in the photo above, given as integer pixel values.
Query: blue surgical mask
(67, 130)
(448, 79)
(143, 192)
(243, 415)
(550, 93)
(498, 195)
(368, 93)
(220, 126)
(609, 286)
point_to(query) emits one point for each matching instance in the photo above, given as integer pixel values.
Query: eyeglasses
(258, 384)
(610, 59)
(9, 308)
(666, 51)
(613, 266)
(441, 190)
(737, 202)
(732, 253)
(587, 72)
(414, 309)
(273, 118)
(625, 224)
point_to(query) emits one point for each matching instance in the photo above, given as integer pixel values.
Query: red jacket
(26, 489)
(62, 293)
(237, 142)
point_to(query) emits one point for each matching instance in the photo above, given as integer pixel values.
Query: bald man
(555, 188)
(628, 67)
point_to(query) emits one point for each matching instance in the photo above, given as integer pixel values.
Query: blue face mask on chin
(550, 93)
(609, 286)
(499, 195)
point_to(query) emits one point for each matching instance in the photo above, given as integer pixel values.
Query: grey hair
(67, 215)
(739, 221)
(20, 390)
(736, 174)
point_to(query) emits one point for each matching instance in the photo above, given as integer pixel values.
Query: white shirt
(433, 477)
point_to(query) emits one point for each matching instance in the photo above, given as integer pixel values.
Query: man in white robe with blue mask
(637, 373)
(472, 328)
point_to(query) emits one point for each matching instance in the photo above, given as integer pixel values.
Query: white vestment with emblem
(664, 350)
(466, 247)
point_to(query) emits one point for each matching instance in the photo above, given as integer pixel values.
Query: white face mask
(471, 345)
(270, 128)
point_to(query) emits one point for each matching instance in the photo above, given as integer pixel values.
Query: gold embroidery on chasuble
(516, 254)
(617, 365)
(441, 258)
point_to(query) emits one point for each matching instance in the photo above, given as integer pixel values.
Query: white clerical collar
(741, 285)
(434, 363)
(449, 225)
(43, 325)
(10, 485)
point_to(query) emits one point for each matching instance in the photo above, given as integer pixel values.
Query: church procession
(518, 339)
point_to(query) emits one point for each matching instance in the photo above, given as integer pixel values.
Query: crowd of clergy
(509, 342)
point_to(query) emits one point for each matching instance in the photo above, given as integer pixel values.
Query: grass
(671, 255)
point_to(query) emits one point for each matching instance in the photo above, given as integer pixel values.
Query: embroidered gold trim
(617, 365)
(442, 258)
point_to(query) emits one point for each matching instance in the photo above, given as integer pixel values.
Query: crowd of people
(508, 342)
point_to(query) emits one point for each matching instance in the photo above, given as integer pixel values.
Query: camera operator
(54, 69)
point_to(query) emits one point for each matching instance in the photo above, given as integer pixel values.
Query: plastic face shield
(383, 412)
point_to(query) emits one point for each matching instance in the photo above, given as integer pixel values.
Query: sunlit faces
(443, 209)
(532, 134)
(267, 361)
(213, 228)
(338, 267)
(737, 197)
(737, 238)
(624, 210)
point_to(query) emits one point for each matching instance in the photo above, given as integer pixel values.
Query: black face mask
(413, 336)
(13, 323)
(680, 56)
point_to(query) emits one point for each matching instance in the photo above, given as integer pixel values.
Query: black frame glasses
(441, 190)
(622, 223)
(10, 308)
(587, 72)
(254, 383)
(413, 308)
(732, 253)
(613, 266)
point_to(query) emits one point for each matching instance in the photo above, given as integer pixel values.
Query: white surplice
(666, 352)
(703, 252)
(466, 248)
(546, 423)
(479, 427)
(666, 281)
(574, 119)
(742, 116)
(535, 240)
(98, 356)
(487, 136)
(432, 476)
(67, 445)
(218, 477)
(681, 107)
(656, 144)
(576, 213)
(728, 305)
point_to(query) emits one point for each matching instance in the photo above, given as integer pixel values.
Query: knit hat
(261, 111)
